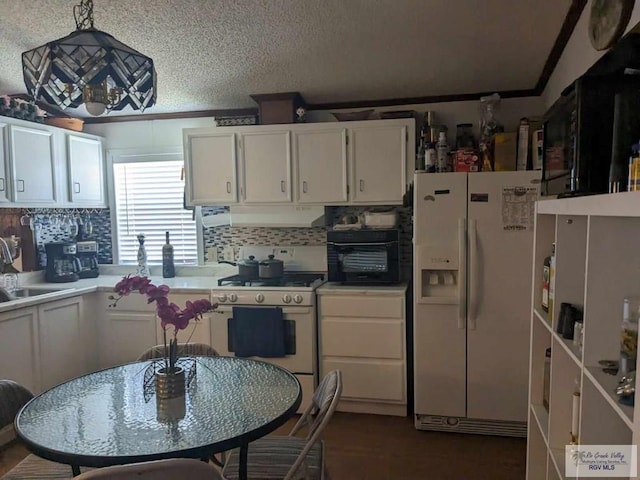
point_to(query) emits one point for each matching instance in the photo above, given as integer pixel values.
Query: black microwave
(588, 134)
(363, 256)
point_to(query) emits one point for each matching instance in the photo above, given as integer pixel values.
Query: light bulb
(95, 108)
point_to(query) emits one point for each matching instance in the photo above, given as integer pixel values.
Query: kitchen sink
(32, 292)
(26, 292)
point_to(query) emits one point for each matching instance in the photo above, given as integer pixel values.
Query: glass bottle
(545, 283)
(552, 279)
(143, 269)
(629, 335)
(442, 150)
(168, 267)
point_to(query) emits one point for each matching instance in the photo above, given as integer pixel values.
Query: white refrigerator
(472, 244)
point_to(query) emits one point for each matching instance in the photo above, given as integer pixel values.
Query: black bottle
(168, 268)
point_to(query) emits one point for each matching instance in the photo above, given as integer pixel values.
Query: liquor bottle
(168, 268)
(442, 150)
(546, 273)
(552, 280)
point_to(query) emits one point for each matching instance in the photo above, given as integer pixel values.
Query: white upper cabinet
(33, 165)
(321, 157)
(266, 161)
(4, 170)
(378, 155)
(303, 163)
(210, 165)
(86, 169)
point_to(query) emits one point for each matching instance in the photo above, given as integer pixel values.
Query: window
(148, 198)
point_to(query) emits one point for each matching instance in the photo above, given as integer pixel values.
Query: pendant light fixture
(91, 67)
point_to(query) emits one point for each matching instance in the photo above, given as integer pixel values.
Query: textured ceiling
(213, 54)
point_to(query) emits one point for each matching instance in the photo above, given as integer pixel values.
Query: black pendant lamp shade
(90, 66)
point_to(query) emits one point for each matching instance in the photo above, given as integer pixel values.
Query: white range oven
(293, 293)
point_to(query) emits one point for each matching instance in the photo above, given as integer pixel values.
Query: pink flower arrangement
(170, 314)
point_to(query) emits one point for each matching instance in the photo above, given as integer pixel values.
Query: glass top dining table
(112, 417)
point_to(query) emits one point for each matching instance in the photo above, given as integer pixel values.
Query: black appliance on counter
(363, 257)
(62, 263)
(87, 254)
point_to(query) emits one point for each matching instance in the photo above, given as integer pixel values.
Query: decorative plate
(607, 21)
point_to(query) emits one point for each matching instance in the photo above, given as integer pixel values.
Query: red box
(467, 160)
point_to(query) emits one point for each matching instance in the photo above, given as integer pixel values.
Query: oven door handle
(360, 244)
(285, 310)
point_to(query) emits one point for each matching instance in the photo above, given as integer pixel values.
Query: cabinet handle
(228, 187)
(282, 185)
(361, 185)
(1, 184)
(21, 185)
(76, 187)
(304, 186)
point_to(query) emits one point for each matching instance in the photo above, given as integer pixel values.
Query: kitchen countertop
(334, 288)
(200, 281)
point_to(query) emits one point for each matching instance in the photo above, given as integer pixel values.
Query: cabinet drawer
(343, 337)
(370, 380)
(361, 306)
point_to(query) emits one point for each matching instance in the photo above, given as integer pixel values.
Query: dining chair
(195, 349)
(171, 469)
(13, 397)
(288, 457)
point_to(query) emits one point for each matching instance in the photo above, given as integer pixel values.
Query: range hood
(276, 216)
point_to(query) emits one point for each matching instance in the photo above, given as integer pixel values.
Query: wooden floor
(375, 447)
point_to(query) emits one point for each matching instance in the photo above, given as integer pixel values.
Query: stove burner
(287, 280)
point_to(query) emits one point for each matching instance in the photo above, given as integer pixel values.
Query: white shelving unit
(597, 265)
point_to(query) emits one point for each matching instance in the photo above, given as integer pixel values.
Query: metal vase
(170, 384)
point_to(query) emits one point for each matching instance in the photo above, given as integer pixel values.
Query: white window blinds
(149, 199)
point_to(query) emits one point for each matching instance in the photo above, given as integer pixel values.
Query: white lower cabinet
(362, 332)
(127, 329)
(18, 349)
(62, 341)
(47, 344)
(132, 326)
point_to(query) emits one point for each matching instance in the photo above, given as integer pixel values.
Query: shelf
(625, 204)
(542, 419)
(557, 455)
(606, 385)
(438, 300)
(544, 318)
(573, 351)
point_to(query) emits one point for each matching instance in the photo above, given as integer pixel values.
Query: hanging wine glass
(88, 224)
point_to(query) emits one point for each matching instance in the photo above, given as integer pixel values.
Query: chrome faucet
(5, 252)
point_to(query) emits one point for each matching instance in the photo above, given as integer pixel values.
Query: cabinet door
(378, 157)
(210, 165)
(61, 336)
(196, 332)
(18, 351)
(4, 180)
(33, 165)
(321, 157)
(125, 336)
(266, 163)
(86, 171)
(127, 328)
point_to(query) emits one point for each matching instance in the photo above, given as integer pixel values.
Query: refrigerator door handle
(462, 273)
(473, 268)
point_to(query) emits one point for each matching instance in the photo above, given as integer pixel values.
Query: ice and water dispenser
(438, 274)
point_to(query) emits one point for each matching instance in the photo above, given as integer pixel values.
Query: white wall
(578, 56)
(452, 113)
(146, 133)
(168, 133)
